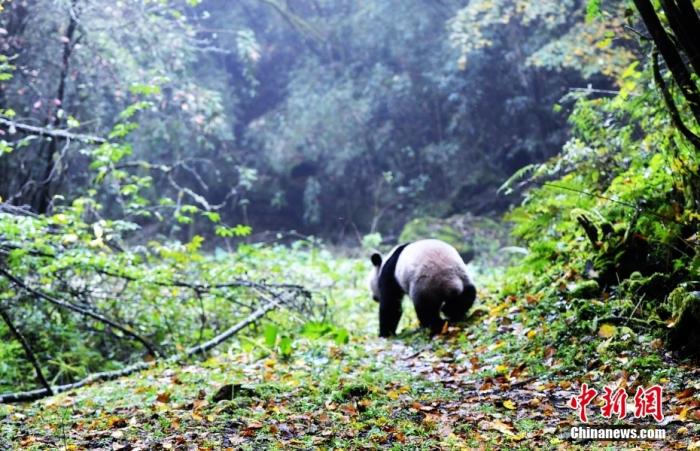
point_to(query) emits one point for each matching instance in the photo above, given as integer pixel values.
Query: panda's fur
(433, 275)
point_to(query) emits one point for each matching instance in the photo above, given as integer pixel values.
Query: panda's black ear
(376, 259)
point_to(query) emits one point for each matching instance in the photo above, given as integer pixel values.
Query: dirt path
(509, 408)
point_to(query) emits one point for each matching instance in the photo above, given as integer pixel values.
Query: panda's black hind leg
(455, 308)
(428, 313)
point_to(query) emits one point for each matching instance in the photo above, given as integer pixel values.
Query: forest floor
(494, 382)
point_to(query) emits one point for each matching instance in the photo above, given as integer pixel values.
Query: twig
(619, 202)
(622, 320)
(641, 298)
(523, 382)
(641, 35)
(593, 90)
(27, 350)
(206, 288)
(53, 133)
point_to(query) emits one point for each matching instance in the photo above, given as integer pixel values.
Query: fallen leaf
(534, 402)
(685, 393)
(163, 397)
(607, 331)
(508, 404)
(499, 426)
(501, 369)
(116, 422)
(519, 436)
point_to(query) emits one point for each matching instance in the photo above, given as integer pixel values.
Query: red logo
(581, 401)
(615, 403)
(646, 402)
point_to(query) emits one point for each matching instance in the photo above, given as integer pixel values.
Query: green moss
(353, 391)
(685, 310)
(585, 289)
(684, 304)
(655, 286)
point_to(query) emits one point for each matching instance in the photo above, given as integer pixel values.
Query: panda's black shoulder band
(388, 286)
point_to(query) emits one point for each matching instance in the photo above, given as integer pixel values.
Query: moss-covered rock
(653, 287)
(427, 227)
(585, 289)
(684, 306)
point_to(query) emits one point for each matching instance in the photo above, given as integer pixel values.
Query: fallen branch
(256, 315)
(96, 377)
(28, 352)
(38, 294)
(53, 133)
(110, 375)
(23, 210)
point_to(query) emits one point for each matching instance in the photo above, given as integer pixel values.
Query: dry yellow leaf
(519, 436)
(502, 427)
(508, 404)
(502, 369)
(607, 330)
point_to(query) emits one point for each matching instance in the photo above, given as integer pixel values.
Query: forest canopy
(319, 116)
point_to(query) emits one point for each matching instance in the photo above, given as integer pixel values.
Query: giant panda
(433, 275)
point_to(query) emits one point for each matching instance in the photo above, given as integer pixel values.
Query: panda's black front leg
(389, 316)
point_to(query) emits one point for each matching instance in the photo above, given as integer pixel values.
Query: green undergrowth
(611, 226)
(290, 383)
(605, 295)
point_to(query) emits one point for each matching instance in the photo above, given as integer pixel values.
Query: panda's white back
(431, 260)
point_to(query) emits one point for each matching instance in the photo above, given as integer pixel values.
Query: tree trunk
(668, 50)
(46, 183)
(682, 26)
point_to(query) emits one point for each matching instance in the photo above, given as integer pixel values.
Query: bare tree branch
(668, 50)
(50, 132)
(259, 313)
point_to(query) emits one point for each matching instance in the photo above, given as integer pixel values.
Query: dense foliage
(158, 158)
(323, 116)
